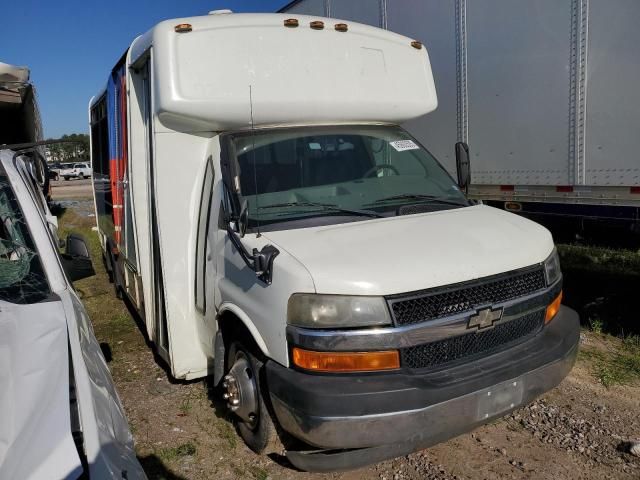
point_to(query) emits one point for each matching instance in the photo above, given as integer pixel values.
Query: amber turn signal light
(346, 361)
(553, 308)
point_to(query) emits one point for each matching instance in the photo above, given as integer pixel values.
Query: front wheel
(81, 176)
(67, 178)
(245, 395)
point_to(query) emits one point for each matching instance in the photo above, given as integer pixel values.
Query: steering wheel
(382, 166)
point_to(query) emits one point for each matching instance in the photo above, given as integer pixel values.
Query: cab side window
(201, 239)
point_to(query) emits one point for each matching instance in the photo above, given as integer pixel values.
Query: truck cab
(309, 254)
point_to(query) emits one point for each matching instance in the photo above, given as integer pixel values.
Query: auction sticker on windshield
(402, 145)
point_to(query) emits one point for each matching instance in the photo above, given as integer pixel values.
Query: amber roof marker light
(416, 44)
(341, 27)
(291, 22)
(183, 28)
(316, 25)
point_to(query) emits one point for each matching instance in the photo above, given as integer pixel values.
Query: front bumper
(392, 414)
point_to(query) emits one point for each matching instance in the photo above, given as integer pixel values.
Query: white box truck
(275, 228)
(544, 92)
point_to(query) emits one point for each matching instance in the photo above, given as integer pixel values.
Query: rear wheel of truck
(107, 267)
(245, 393)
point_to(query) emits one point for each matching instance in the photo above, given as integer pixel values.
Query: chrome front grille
(431, 304)
(473, 344)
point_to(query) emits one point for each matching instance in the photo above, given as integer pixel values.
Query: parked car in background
(56, 167)
(76, 170)
(60, 416)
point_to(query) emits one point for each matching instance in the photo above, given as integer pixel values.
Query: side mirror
(76, 246)
(463, 166)
(76, 260)
(260, 261)
(243, 219)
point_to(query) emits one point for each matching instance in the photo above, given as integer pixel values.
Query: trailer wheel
(108, 268)
(244, 390)
(116, 276)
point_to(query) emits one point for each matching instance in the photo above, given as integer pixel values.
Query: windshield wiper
(324, 206)
(417, 196)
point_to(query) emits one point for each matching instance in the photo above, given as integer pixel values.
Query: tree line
(69, 152)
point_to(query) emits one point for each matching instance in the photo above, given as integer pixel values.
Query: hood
(415, 252)
(35, 422)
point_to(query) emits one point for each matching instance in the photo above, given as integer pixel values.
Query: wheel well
(233, 328)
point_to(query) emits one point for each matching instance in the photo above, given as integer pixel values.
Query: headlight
(552, 268)
(336, 311)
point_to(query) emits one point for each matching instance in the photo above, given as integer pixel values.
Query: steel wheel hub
(240, 390)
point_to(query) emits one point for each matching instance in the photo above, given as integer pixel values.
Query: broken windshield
(22, 279)
(348, 172)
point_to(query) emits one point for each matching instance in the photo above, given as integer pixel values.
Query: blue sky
(71, 45)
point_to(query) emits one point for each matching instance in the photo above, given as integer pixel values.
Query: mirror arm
(244, 253)
(260, 261)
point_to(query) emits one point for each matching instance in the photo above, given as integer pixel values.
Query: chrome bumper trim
(415, 334)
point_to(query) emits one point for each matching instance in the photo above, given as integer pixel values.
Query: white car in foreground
(60, 416)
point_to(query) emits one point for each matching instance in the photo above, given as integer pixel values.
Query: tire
(117, 282)
(117, 277)
(67, 178)
(107, 267)
(81, 176)
(261, 435)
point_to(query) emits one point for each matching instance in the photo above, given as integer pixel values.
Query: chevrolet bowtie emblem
(485, 318)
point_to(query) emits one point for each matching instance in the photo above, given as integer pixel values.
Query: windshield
(22, 279)
(337, 174)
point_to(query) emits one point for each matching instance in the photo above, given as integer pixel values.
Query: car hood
(415, 252)
(35, 424)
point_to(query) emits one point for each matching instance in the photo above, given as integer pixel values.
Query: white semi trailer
(544, 92)
(275, 228)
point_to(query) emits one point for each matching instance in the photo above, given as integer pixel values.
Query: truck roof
(306, 74)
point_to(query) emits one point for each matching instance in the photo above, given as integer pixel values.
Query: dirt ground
(576, 431)
(72, 188)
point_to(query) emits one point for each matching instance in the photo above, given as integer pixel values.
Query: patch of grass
(602, 260)
(618, 367)
(238, 471)
(596, 324)
(228, 433)
(185, 406)
(259, 473)
(590, 356)
(632, 342)
(183, 450)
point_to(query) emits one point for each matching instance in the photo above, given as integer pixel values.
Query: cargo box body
(544, 92)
